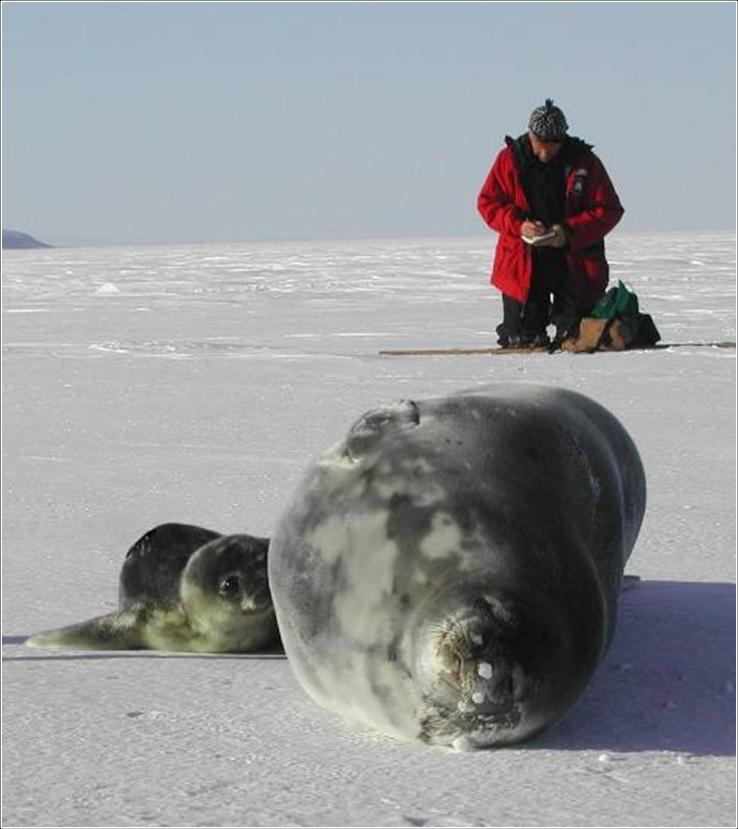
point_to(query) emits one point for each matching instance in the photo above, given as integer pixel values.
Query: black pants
(550, 302)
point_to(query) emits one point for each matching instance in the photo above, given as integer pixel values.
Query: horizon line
(320, 239)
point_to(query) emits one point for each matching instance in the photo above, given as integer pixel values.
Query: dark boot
(508, 331)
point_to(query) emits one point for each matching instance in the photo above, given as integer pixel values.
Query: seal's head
(494, 667)
(225, 594)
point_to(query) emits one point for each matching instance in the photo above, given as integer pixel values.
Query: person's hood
(572, 151)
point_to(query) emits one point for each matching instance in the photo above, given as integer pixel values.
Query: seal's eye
(230, 585)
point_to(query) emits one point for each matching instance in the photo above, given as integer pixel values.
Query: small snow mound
(108, 288)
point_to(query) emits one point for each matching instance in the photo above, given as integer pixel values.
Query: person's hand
(532, 228)
(559, 240)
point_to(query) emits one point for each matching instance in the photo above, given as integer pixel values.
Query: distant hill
(16, 239)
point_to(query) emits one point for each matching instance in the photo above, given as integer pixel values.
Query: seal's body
(450, 571)
(183, 588)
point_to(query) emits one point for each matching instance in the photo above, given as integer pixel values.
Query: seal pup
(450, 571)
(183, 588)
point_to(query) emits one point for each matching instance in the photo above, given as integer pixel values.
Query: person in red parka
(548, 184)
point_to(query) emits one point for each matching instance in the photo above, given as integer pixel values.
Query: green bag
(621, 304)
(618, 303)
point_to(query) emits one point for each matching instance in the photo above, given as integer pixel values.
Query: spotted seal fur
(450, 571)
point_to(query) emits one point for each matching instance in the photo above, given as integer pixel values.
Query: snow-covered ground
(153, 384)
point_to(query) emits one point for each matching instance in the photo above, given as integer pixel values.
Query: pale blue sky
(177, 122)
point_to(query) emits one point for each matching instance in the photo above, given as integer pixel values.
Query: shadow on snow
(668, 681)
(667, 684)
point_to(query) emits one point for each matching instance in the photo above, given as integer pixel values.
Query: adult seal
(450, 571)
(183, 588)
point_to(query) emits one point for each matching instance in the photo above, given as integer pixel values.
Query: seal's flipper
(113, 632)
(629, 582)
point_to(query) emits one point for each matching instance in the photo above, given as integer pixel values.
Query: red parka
(592, 209)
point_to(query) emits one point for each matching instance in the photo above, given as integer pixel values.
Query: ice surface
(153, 384)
